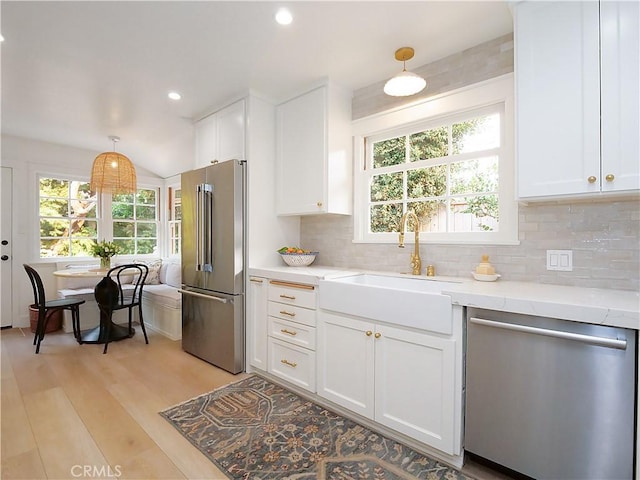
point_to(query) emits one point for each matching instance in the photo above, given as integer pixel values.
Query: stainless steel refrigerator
(213, 263)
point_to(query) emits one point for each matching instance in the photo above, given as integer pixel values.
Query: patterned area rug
(255, 430)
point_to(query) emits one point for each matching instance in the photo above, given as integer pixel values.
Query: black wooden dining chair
(121, 288)
(48, 308)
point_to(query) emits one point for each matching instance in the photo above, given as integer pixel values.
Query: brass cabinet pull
(284, 330)
(288, 297)
(256, 280)
(292, 285)
(287, 362)
(368, 333)
(284, 312)
(378, 335)
(591, 179)
(319, 204)
(610, 177)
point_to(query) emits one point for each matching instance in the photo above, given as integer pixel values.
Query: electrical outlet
(561, 260)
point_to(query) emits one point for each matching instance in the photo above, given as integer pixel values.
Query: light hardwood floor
(71, 408)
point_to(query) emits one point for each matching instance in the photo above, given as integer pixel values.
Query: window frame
(174, 225)
(65, 178)
(438, 110)
(109, 221)
(104, 222)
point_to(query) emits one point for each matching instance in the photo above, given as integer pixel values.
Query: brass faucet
(416, 262)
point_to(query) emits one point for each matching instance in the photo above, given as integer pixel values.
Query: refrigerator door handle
(204, 211)
(202, 295)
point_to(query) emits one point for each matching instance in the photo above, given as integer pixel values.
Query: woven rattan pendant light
(113, 172)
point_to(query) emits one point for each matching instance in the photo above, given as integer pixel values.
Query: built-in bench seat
(161, 302)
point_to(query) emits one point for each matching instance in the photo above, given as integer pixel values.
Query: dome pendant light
(113, 172)
(405, 83)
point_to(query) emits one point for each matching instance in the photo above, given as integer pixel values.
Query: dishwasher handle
(588, 339)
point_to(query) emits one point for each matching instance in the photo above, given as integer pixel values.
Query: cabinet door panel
(257, 321)
(230, 132)
(302, 152)
(345, 362)
(558, 98)
(414, 385)
(206, 141)
(620, 25)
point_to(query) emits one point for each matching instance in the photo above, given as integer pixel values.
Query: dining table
(96, 335)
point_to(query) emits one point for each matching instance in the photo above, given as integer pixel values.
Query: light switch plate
(561, 260)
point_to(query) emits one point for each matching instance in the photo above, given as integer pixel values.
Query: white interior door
(5, 247)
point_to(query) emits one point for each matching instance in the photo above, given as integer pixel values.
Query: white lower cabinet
(398, 377)
(291, 332)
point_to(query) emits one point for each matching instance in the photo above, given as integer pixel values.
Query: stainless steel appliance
(213, 263)
(549, 398)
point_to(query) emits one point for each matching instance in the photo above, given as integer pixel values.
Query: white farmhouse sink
(405, 301)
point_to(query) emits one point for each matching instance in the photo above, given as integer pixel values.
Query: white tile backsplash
(603, 235)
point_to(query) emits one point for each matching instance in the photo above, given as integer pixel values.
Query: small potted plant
(105, 250)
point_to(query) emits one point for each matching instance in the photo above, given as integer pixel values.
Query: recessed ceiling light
(174, 96)
(1, 38)
(284, 17)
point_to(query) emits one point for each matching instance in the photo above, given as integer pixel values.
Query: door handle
(202, 295)
(4, 258)
(5, 242)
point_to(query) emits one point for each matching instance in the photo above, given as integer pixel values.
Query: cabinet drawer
(292, 293)
(291, 332)
(294, 364)
(292, 313)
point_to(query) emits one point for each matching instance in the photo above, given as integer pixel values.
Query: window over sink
(448, 159)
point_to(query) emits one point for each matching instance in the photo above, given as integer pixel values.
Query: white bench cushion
(162, 294)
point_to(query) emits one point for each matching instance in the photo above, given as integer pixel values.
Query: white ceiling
(75, 72)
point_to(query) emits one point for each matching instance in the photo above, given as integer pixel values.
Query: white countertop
(618, 308)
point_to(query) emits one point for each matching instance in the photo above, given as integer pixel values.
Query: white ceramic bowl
(485, 278)
(299, 259)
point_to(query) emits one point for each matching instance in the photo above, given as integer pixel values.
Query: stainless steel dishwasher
(551, 399)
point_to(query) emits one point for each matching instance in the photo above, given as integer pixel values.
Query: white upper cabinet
(620, 84)
(575, 63)
(314, 153)
(221, 135)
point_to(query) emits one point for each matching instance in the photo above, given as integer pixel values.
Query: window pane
(145, 213)
(124, 229)
(432, 215)
(84, 228)
(427, 182)
(475, 176)
(126, 247)
(389, 152)
(122, 210)
(50, 207)
(474, 213)
(432, 143)
(147, 197)
(82, 191)
(477, 134)
(177, 212)
(51, 227)
(52, 187)
(81, 247)
(52, 247)
(146, 246)
(386, 187)
(146, 230)
(122, 197)
(385, 218)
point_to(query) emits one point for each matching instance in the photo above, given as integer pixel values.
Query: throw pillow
(153, 278)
